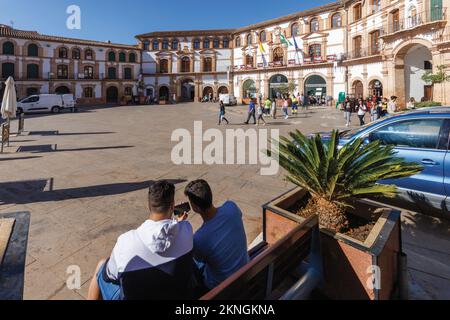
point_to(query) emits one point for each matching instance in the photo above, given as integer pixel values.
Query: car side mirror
(367, 140)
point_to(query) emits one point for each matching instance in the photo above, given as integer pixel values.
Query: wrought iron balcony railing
(434, 15)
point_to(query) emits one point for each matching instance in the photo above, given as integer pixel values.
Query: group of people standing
(376, 107)
(269, 107)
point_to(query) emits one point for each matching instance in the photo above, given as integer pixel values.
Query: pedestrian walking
(267, 106)
(251, 112)
(274, 108)
(285, 108)
(260, 115)
(222, 114)
(362, 110)
(347, 112)
(294, 104)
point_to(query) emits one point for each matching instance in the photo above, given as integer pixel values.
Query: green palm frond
(338, 173)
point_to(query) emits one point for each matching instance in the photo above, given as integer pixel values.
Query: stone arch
(16, 46)
(403, 71)
(308, 88)
(186, 89)
(27, 44)
(358, 88)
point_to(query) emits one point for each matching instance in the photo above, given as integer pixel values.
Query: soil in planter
(358, 228)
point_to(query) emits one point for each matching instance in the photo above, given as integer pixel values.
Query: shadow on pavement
(47, 148)
(35, 191)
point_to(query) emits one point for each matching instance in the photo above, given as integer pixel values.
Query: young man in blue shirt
(251, 112)
(220, 245)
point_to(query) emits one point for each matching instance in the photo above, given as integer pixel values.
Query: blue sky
(120, 21)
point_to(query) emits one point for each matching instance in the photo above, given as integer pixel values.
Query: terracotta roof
(290, 17)
(7, 31)
(293, 16)
(186, 33)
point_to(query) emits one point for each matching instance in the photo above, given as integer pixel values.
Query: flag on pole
(284, 40)
(296, 44)
(261, 47)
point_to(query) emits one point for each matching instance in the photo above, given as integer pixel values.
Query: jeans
(251, 115)
(348, 116)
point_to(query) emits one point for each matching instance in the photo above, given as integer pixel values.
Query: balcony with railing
(441, 37)
(435, 16)
(363, 52)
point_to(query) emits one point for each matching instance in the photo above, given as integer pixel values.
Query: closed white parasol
(9, 103)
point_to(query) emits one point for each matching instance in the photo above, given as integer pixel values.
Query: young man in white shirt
(154, 262)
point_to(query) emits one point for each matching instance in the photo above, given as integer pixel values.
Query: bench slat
(250, 282)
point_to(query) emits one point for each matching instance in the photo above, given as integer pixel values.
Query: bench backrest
(263, 275)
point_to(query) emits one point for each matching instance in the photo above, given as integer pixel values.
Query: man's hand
(183, 217)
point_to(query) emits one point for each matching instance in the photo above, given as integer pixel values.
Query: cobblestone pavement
(84, 176)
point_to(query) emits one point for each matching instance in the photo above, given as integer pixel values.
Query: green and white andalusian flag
(284, 40)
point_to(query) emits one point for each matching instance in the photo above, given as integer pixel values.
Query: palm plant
(336, 176)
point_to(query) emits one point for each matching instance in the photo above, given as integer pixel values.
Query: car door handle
(429, 162)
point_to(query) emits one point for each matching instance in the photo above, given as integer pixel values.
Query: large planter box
(349, 265)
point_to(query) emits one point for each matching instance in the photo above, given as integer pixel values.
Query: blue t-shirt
(251, 107)
(221, 245)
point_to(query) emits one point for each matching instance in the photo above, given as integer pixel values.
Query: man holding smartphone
(220, 245)
(153, 262)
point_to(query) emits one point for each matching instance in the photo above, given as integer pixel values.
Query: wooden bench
(12, 268)
(273, 271)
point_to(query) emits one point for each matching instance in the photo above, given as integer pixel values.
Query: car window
(418, 133)
(31, 99)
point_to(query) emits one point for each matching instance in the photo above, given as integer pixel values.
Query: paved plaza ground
(84, 178)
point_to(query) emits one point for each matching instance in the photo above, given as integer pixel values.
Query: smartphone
(182, 209)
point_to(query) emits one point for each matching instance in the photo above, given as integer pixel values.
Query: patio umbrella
(9, 103)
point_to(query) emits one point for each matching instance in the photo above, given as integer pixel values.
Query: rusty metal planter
(349, 265)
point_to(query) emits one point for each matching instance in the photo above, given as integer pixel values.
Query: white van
(46, 102)
(228, 99)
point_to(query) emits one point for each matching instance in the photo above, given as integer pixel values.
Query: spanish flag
(261, 47)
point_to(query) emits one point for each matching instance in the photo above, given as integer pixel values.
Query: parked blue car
(420, 136)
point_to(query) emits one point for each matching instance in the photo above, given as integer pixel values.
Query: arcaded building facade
(94, 72)
(360, 48)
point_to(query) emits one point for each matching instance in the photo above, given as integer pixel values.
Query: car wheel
(56, 110)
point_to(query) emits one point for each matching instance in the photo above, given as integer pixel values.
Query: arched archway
(223, 90)
(112, 94)
(62, 90)
(187, 90)
(315, 86)
(208, 92)
(412, 61)
(358, 89)
(164, 93)
(376, 88)
(249, 89)
(278, 86)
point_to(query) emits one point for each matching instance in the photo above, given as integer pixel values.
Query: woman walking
(347, 112)
(362, 109)
(285, 108)
(260, 115)
(222, 114)
(274, 108)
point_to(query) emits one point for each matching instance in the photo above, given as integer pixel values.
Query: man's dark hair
(199, 193)
(161, 196)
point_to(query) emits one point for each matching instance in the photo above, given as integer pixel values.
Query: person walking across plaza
(251, 112)
(286, 108)
(260, 115)
(347, 112)
(294, 104)
(267, 106)
(274, 108)
(222, 114)
(361, 109)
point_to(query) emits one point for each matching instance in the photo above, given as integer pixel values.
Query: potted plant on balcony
(360, 239)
